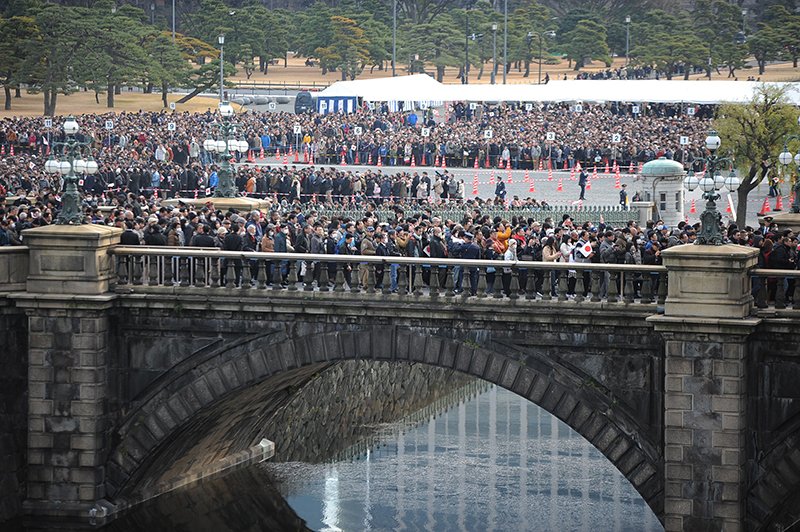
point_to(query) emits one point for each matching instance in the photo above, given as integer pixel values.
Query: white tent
(423, 88)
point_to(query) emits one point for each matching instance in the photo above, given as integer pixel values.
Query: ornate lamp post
(785, 158)
(71, 161)
(627, 38)
(221, 40)
(711, 182)
(225, 143)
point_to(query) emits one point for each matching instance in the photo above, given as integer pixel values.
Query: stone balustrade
(144, 269)
(13, 268)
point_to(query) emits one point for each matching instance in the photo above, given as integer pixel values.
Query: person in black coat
(233, 242)
(129, 237)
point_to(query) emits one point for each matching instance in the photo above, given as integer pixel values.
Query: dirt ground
(297, 74)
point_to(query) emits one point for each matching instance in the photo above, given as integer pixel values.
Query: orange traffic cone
(578, 166)
(250, 158)
(541, 165)
(369, 159)
(764, 210)
(305, 155)
(3, 149)
(594, 173)
(476, 163)
(443, 162)
(527, 176)
(693, 210)
(380, 160)
(261, 155)
(572, 174)
(549, 164)
(290, 150)
(560, 186)
(436, 162)
(532, 189)
(606, 171)
(286, 160)
(616, 183)
(491, 178)
(729, 207)
(475, 185)
(340, 164)
(357, 160)
(12, 150)
(510, 179)
(500, 166)
(297, 156)
(413, 162)
(278, 154)
(630, 170)
(778, 204)
(550, 175)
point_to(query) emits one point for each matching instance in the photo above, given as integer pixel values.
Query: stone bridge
(131, 371)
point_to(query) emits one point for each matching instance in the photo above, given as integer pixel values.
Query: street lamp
(494, 51)
(225, 143)
(710, 182)
(221, 40)
(71, 162)
(152, 14)
(786, 158)
(531, 35)
(627, 37)
(394, 36)
(505, 39)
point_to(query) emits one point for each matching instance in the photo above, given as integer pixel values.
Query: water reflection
(495, 462)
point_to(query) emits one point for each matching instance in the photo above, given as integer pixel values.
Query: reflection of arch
(182, 395)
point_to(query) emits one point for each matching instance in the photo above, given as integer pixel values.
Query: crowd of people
(164, 152)
(144, 160)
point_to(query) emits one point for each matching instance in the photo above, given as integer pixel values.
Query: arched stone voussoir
(202, 380)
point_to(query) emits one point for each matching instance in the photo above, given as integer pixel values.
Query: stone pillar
(706, 325)
(68, 304)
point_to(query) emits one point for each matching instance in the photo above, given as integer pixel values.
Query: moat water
(495, 462)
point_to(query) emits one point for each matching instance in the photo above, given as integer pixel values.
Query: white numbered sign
(578, 108)
(473, 106)
(529, 107)
(298, 129)
(323, 106)
(616, 137)
(172, 105)
(109, 124)
(271, 106)
(48, 122)
(487, 134)
(635, 109)
(684, 141)
(171, 126)
(357, 130)
(690, 111)
(426, 132)
(550, 135)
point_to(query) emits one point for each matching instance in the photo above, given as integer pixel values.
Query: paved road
(602, 192)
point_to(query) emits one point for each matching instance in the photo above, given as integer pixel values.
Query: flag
(586, 250)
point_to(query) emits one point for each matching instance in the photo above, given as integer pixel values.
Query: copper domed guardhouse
(663, 190)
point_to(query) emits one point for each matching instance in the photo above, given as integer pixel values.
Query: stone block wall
(705, 422)
(13, 412)
(67, 414)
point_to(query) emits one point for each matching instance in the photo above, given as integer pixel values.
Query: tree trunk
(117, 89)
(344, 76)
(47, 103)
(480, 72)
(439, 74)
(97, 97)
(686, 75)
(164, 94)
(527, 69)
(17, 93)
(324, 70)
(110, 96)
(745, 188)
(262, 65)
(53, 97)
(8, 97)
(194, 93)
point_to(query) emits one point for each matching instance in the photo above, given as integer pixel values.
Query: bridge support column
(706, 326)
(68, 306)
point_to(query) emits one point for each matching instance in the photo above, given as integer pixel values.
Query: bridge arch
(149, 438)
